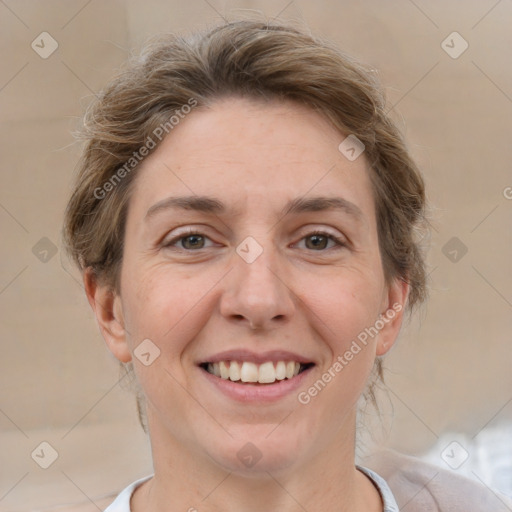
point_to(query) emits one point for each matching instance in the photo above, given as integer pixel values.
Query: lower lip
(257, 392)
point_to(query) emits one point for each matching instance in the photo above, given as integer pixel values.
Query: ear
(392, 312)
(108, 310)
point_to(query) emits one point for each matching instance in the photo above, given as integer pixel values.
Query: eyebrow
(212, 205)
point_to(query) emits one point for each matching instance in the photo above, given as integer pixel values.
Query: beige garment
(421, 487)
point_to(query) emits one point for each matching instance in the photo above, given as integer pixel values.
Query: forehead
(247, 152)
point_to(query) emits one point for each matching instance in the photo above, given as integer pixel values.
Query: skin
(192, 303)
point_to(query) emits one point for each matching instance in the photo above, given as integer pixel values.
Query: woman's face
(251, 241)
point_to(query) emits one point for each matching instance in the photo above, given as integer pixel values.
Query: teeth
(234, 371)
(249, 372)
(265, 373)
(280, 370)
(224, 370)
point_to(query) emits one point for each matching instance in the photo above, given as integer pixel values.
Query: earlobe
(392, 315)
(107, 308)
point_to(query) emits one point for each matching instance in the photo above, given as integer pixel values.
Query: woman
(246, 219)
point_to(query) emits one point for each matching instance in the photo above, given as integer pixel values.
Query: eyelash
(191, 232)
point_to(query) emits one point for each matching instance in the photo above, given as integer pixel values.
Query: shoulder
(423, 486)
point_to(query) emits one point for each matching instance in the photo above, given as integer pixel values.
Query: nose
(256, 294)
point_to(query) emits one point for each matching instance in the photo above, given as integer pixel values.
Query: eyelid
(340, 241)
(186, 231)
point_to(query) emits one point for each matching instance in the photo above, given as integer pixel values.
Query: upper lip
(256, 357)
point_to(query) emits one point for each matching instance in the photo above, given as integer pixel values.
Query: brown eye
(192, 241)
(316, 241)
(188, 241)
(321, 241)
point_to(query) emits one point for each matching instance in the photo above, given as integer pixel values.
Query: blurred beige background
(448, 378)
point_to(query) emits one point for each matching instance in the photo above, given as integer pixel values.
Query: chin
(258, 451)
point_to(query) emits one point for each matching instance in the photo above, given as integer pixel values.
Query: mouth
(249, 372)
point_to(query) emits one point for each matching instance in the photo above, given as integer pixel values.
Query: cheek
(348, 301)
(166, 307)
(346, 314)
(347, 306)
(167, 310)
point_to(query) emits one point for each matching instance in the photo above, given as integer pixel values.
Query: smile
(249, 372)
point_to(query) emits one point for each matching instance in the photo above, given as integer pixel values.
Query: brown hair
(250, 59)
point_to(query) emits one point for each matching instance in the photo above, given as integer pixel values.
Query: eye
(192, 240)
(189, 241)
(319, 241)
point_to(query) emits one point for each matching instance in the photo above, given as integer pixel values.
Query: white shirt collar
(122, 502)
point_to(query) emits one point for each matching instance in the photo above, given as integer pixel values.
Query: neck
(190, 480)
